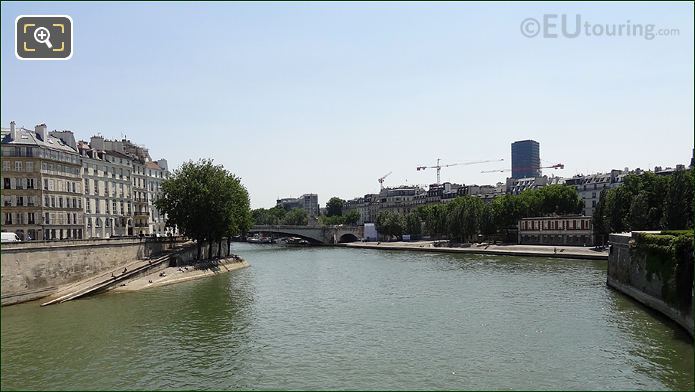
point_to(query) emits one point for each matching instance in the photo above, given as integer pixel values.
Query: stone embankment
(567, 252)
(180, 274)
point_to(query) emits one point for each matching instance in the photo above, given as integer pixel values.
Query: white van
(10, 237)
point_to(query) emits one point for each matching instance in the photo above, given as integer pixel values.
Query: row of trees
(297, 216)
(465, 217)
(647, 202)
(280, 216)
(206, 202)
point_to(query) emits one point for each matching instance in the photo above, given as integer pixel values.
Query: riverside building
(42, 184)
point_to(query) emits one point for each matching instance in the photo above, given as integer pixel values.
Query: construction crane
(382, 178)
(555, 166)
(439, 167)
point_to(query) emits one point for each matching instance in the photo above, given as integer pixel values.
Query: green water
(333, 318)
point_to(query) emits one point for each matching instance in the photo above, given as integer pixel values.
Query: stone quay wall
(627, 273)
(32, 270)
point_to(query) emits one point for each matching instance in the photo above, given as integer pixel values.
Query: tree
(205, 202)
(678, 202)
(296, 217)
(558, 200)
(488, 224)
(413, 224)
(390, 224)
(351, 217)
(271, 216)
(334, 206)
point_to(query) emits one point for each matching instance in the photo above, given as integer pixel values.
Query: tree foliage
(270, 216)
(646, 202)
(334, 206)
(390, 224)
(296, 217)
(205, 202)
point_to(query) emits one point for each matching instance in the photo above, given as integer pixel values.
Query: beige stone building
(42, 185)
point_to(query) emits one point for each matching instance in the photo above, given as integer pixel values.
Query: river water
(336, 318)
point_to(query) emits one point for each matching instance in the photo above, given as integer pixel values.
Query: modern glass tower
(526, 159)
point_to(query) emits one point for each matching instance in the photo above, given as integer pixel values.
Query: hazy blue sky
(326, 98)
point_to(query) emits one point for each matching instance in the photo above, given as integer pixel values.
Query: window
(30, 166)
(20, 201)
(6, 183)
(5, 166)
(30, 183)
(18, 166)
(86, 186)
(47, 218)
(19, 183)
(88, 206)
(53, 201)
(593, 195)
(8, 218)
(46, 201)
(593, 203)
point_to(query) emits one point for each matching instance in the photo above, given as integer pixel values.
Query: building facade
(308, 202)
(42, 184)
(526, 159)
(107, 190)
(575, 230)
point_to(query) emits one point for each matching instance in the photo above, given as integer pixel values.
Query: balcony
(141, 213)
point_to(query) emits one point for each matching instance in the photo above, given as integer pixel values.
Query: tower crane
(439, 167)
(382, 178)
(555, 166)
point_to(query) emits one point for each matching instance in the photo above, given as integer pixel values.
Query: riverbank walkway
(566, 252)
(107, 279)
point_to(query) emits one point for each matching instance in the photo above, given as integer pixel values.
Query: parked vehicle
(10, 237)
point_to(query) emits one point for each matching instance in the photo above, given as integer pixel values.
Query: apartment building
(42, 184)
(107, 190)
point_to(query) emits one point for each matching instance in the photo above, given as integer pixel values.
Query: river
(337, 318)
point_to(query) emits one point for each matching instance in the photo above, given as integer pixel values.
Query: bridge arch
(347, 237)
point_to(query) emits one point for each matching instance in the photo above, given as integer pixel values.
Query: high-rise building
(526, 159)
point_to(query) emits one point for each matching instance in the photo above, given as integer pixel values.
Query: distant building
(515, 186)
(526, 159)
(308, 202)
(556, 230)
(589, 187)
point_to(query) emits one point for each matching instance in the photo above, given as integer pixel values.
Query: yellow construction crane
(439, 167)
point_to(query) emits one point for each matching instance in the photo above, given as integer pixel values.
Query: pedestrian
(125, 270)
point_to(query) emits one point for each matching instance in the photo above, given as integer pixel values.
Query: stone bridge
(315, 234)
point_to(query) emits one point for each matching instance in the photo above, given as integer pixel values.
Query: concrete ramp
(109, 279)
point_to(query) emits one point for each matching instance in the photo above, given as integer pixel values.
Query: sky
(327, 97)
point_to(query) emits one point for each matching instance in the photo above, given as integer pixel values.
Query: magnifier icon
(42, 36)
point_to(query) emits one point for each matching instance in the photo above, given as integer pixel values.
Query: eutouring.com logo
(572, 26)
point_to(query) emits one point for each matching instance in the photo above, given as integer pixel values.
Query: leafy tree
(271, 216)
(487, 220)
(334, 206)
(351, 217)
(678, 202)
(296, 217)
(508, 210)
(413, 224)
(390, 224)
(599, 218)
(638, 215)
(558, 200)
(205, 202)
(434, 218)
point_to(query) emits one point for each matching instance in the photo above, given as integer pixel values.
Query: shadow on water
(657, 338)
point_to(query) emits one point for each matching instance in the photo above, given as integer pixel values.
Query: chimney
(41, 132)
(13, 131)
(97, 143)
